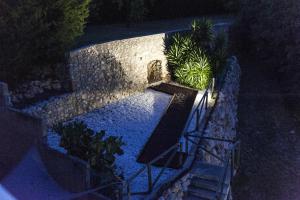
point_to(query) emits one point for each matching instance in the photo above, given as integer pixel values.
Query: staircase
(212, 182)
(207, 182)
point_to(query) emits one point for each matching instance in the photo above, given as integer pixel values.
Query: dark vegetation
(268, 41)
(35, 35)
(130, 11)
(94, 147)
(269, 29)
(195, 57)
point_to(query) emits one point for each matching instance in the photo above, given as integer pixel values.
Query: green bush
(196, 57)
(195, 73)
(36, 33)
(180, 49)
(93, 147)
(202, 34)
(107, 11)
(113, 11)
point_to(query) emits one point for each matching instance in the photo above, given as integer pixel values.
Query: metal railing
(233, 163)
(199, 113)
(201, 107)
(126, 184)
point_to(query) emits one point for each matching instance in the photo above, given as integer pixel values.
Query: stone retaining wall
(120, 64)
(222, 124)
(103, 73)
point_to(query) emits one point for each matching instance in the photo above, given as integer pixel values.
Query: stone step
(192, 197)
(210, 172)
(204, 183)
(203, 193)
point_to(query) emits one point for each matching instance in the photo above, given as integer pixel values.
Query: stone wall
(103, 73)
(224, 118)
(117, 64)
(222, 124)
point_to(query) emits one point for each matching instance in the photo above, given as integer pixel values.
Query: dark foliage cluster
(195, 57)
(130, 11)
(37, 33)
(94, 147)
(270, 29)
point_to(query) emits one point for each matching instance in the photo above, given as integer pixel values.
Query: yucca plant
(202, 33)
(179, 50)
(196, 72)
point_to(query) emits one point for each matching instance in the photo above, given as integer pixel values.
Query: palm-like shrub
(196, 72)
(202, 33)
(180, 49)
(196, 57)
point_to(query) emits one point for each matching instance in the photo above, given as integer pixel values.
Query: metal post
(213, 87)
(128, 191)
(180, 154)
(238, 154)
(206, 101)
(150, 186)
(186, 144)
(232, 163)
(88, 176)
(197, 120)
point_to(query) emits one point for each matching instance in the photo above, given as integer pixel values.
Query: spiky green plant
(179, 50)
(202, 33)
(196, 72)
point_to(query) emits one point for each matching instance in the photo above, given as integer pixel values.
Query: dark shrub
(99, 151)
(196, 57)
(113, 11)
(36, 33)
(131, 11)
(83, 142)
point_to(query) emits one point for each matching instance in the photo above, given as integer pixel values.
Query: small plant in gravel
(99, 151)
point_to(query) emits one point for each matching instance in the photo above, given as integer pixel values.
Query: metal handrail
(203, 103)
(162, 155)
(230, 159)
(126, 183)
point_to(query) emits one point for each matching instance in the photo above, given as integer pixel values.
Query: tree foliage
(195, 57)
(38, 32)
(271, 27)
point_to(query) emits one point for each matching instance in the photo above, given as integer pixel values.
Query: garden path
(270, 165)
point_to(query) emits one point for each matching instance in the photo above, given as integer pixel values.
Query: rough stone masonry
(107, 72)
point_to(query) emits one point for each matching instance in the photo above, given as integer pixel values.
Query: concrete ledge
(18, 133)
(69, 172)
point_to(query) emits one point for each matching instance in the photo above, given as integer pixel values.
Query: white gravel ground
(133, 118)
